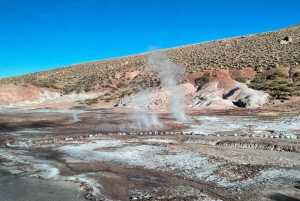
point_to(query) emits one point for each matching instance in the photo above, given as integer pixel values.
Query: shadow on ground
(7, 127)
(281, 197)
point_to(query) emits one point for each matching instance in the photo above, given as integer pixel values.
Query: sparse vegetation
(91, 101)
(241, 79)
(260, 52)
(297, 74)
(87, 89)
(46, 85)
(278, 89)
(291, 85)
(121, 85)
(275, 75)
(282, 82)
(113, 90)
(202, 80)
(107, 100)
(258, 84)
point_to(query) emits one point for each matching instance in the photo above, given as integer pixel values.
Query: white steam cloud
(75, 117)
(140, 117)
(145, 120)
(171, 75)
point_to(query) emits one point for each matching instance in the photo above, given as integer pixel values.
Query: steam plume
(144, 120)
(75, 117)
(140, 116)
(171, 75)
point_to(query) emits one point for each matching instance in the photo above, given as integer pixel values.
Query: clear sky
(43, 34)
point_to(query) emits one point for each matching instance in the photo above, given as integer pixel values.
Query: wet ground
(104, 155)
(15, 187)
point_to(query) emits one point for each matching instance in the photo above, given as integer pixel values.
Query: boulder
(120, 102)
(286, 40)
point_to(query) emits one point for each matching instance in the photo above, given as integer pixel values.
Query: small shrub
(202, 80)
(87, 89)
(54, 87)
(273, 84)
(297, 74)
(278, 94)
(297, 94)
(291, 85)
(241, 79)
(275, 75)
(282, 82)
(258, 80)
(121, 85)
(122, 96)
(286, 89)
(279, 74)
(91, 101)
(46, 85)
(107, 100)
(132, 83)
(258, 84)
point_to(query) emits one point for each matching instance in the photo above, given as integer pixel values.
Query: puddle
(162, 180)
(73, 169)
(16, 171)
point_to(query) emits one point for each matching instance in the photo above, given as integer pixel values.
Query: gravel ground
(13, 187)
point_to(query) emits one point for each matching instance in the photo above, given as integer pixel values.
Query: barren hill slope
(271, 61)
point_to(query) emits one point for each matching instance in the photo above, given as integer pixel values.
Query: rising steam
(75, 117)
(145, 120)
(140, 117)
(171, 75)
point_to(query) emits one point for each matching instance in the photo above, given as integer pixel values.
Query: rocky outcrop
(286, 40)
(31, 96)
(243, 102)
(249, 98)
(235, 95)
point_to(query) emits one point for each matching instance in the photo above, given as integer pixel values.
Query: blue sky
(43, 34)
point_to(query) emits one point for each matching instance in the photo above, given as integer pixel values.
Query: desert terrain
(210, 121)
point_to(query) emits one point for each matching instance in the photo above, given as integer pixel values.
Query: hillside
(267, 61)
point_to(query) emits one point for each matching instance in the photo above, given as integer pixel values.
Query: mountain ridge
(130, 57)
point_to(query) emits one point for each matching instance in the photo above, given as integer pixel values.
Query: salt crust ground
(155, 157)
(186, 164)
(190, 165)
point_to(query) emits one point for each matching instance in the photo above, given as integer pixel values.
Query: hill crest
(268, 61)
